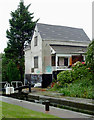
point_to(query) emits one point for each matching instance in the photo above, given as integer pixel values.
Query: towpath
(62, 113)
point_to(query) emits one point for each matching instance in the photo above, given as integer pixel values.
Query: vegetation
(15, 111)
(90, 56)
(19, 35)
(79, 81)
(75, 83)
(12, 72)
(0, 67)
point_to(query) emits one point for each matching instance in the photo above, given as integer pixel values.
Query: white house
(53, 49)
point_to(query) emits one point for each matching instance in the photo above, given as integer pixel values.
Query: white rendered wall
(36, 51)
(28, 61)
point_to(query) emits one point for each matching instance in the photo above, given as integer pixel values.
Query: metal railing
(60, 68)
(16, 84)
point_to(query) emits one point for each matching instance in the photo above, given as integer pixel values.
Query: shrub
(90, 56)
(80, 88)
(12, 72)
(75, 83)
(64, 78)
(79, 70)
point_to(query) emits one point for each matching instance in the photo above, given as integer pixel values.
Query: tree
(0, 67)
(90, 56)
(19, 35)
(12, 72)
(5, 62)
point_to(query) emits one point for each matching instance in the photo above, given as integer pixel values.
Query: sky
(71, 13)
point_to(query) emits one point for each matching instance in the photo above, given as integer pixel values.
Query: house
(53, 49)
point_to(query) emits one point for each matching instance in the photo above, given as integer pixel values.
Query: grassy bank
(14, 111)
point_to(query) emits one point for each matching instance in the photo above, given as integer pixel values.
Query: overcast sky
(72, 13)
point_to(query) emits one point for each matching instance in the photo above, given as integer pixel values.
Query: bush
(75, 83)
(80, 88)
(79, 70)
(90, 56)
(64, 77)
(12, 72)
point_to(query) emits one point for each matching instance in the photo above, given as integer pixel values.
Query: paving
(62, 113)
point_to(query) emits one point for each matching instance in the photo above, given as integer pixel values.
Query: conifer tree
(19, 35)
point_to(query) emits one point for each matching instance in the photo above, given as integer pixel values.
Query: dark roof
(62, 33)
(66, 49)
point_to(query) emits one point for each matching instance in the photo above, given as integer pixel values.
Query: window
(65, 61)
(32, 70)
(36, 62)
(53, 60)
(36, 41)
(62, 61)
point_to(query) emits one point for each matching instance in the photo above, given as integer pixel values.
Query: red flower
(52, 85)
(83, 62)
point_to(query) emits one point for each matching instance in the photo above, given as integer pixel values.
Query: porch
(64, 62)
(64, 56)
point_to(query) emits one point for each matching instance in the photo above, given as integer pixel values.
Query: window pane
(65, 61)
(61, 61)
(35, 41)
(53, 60)
(36, 62)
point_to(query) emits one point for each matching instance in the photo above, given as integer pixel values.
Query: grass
(14, 111)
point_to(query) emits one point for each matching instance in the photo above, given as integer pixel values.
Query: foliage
(4, 67)
(64, 77)
(90, 56)
(0, 67)
(20, 32)
(75, 83)
(12, 72)
(80, 88)
(79, 70)
(19, 35)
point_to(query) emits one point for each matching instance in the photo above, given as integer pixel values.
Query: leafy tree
(5, 62)
(90, 56)
(12, 72)
(19, 35)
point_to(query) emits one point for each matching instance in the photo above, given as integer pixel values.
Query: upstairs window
(36, 41)
(36, 62)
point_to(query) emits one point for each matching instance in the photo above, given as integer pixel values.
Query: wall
(36, 51)
(46, 58)
(28, 61)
